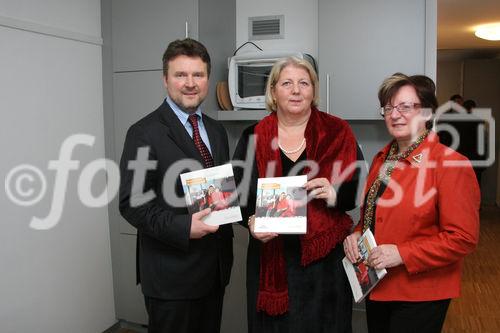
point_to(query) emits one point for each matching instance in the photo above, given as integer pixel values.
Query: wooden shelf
(241, 115)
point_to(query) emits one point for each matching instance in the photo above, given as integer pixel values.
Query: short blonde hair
(275, 74)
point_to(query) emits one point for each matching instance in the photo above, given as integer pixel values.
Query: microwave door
(252, 79)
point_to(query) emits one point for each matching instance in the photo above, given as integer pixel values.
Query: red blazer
(434, 221)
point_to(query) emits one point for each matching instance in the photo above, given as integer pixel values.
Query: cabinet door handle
(328, 93)
(187, 30)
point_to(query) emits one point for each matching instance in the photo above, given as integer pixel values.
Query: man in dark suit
(183, 264)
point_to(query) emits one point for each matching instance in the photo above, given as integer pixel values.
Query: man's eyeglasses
(403, 108)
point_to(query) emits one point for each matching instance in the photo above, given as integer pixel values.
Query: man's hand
(198, 227)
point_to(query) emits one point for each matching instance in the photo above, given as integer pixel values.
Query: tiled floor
(125, 327)
(358, 324)
(359, 321)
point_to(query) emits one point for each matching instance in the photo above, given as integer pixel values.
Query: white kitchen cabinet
(128, 294)
(141, 30)
(364, 41)
(136, 94)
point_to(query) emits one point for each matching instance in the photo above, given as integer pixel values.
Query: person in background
(421, 202)
(183, 264)
(469, 105)
(296, 283)
(478, 129)
(457, 99)
(472, 136)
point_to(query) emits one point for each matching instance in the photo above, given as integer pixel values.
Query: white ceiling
(457, 19)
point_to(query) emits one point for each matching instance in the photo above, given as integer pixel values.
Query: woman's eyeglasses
(403, 108)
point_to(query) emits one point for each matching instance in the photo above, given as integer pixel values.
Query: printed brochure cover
(213, 188)
(362, 277)
(281, 205)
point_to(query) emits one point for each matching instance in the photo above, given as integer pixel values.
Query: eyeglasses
(403, 108)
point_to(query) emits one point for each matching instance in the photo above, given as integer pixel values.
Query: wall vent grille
(266, 27)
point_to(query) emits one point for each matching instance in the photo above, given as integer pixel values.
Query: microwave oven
(248, 73)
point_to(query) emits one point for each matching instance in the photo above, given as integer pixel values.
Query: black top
(320, 299)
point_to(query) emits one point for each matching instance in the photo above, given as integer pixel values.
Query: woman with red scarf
(283, 206)
(421, 203)
(296, 283)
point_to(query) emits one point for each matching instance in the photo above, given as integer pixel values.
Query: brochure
(281, 205)
(213, 188)
(362, 277)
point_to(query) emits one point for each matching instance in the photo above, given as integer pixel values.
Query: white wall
(449, 79)
(56, 280)
(301, 24)
(78, 16)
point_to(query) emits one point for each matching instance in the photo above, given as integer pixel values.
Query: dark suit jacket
(172, 266)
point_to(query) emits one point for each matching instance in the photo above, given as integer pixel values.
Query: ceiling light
(488, 31)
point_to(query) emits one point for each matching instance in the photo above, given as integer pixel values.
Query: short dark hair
(423, 85)
(188, 47)
(455, 97)
(469, 105)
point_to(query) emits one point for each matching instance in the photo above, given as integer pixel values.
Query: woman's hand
(385, 256)
(320, 188)
(264, 237)
(351, 249)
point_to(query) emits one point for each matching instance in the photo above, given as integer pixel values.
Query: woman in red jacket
(421, 202)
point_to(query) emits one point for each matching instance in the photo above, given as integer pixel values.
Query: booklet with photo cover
(213, 188)
(281, 205)
(362, 277)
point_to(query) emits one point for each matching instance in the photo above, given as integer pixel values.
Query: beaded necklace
(385, 175)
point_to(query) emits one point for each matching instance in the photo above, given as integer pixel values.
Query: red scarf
(328, 140)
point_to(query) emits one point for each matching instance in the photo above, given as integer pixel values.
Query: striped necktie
(208, 161)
